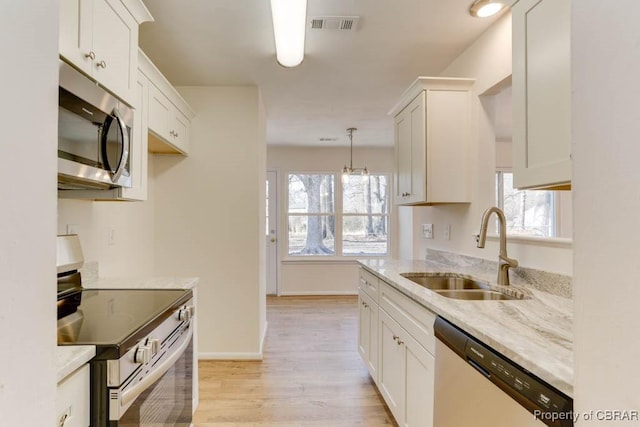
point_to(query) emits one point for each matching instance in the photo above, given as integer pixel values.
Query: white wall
(209, 218)
(29, 49)
(132, 253)
(605, 68)
(317, 277)
(488, 60)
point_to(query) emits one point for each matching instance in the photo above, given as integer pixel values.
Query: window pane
(364, 235)
(311, 234)
(311, 193)
(528, 212)
(365, 195)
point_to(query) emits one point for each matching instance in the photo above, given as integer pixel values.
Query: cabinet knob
(395, 337)
(91, 55)
(400, 342)
(101, 64)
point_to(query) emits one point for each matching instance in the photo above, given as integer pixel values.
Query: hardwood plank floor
(311, 374)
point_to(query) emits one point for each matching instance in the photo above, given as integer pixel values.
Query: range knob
(184, 314)
(154, 345)
(142, 355)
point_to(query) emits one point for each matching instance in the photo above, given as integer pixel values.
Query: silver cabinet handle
(101, 64)
(91, 55)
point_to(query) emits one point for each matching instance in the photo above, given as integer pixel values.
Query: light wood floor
(311, 374)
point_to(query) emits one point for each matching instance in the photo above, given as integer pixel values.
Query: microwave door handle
(125, 147)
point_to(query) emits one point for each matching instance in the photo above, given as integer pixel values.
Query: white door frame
(272, 269)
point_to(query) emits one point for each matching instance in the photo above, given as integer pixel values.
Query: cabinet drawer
(413, 317)
(369, 283)
(72, 400)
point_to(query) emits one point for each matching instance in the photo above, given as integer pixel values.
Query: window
(351, 219)
(528, 212)
(365, 218)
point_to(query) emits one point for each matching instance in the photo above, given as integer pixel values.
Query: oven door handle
(127, 397)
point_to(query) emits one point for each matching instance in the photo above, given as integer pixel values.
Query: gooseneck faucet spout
(504, 262)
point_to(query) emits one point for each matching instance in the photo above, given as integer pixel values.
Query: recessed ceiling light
(485, 8)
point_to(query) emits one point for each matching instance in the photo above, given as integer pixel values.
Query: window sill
(329, 259)
(555, 242)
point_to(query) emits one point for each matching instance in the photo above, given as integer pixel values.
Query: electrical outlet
(427, 231)
(447, 232)
(73, 229)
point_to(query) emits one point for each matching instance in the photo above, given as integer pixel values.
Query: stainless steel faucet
(504, 262)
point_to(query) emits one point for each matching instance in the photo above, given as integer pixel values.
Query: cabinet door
(72, 399)
(160, 109)
(364, 326)
(115, 43)
(410, 152)
(419, 384)
(541, 93)
(138, 155)
(76, 34)
(368, 333)
(391, 370)
(418, 155)
(180, 128)
(403, 156)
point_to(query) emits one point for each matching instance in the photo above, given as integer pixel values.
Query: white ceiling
(347, 79)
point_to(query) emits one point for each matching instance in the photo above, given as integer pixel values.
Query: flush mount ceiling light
(350, 170)
(289, 24)
(485, 8)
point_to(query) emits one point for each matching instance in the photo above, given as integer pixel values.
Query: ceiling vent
(344, 23)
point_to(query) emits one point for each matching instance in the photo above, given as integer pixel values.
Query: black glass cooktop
(114, 320)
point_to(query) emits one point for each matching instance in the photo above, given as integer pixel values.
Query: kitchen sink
(476, 294)
(444, 281)
(452, 285)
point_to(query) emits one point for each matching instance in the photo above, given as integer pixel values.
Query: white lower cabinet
(396, 342)
(72, 399)
(368, 333)
(406, 375)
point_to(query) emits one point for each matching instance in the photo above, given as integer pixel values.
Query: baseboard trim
(229, 356)
(317, 293)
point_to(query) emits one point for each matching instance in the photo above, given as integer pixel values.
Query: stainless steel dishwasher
(476, 386)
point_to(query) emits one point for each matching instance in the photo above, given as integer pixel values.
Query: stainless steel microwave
(94, 129)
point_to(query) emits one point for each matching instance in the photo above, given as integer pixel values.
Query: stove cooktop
(114, 320)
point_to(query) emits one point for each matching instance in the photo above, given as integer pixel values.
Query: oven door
(163, 397)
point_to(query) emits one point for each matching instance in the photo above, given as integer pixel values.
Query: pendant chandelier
(350, 170)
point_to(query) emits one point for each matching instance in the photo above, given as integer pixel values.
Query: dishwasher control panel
(525, 388)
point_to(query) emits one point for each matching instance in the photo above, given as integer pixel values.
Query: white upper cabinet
(169, 114)
(541, 94)
(100, 38)
(432, 132)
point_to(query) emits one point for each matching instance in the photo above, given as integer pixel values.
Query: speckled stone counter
(536, 333)
(142, 283)
(70, 358)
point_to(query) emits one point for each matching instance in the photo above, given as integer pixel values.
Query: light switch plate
(427, 231)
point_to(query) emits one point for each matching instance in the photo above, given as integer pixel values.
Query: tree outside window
(528, 212)
(317, 227)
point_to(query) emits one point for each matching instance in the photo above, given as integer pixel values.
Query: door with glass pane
(272, 232)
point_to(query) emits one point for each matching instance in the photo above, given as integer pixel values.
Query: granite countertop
(142, 283)
(70, 358)
(535, 333)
